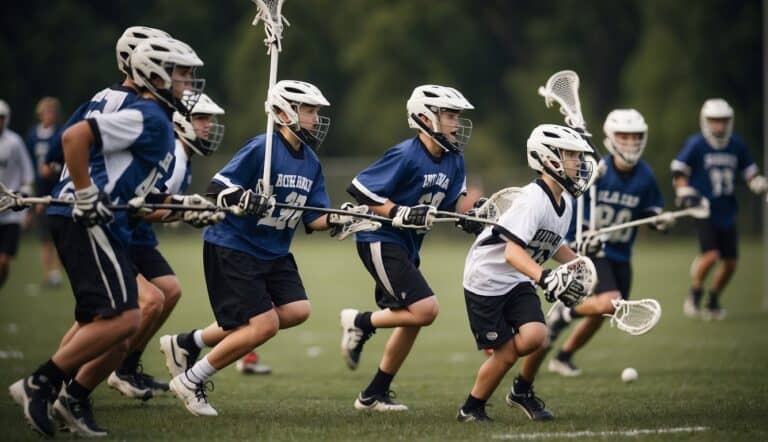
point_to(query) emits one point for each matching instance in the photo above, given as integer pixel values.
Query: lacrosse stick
(270, 13)
(635, 317)
(487, 213)
(698, 212)
(368, 216)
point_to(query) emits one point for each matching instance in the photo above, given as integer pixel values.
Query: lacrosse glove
(560, 285)
(416, 217)
(686, 197)
(91, 207)
(469, 226)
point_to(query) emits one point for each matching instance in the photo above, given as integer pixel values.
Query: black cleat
(379, 402)
(36, 395)
(130, 385)
(150, 382)
(77, 415)
(714, 310)
(530, 404)
(473, 416)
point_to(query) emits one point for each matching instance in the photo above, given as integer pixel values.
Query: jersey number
(432, 199)
(285, 217)
(607, 215)
(722, 181)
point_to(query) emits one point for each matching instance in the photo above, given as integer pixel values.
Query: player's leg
(182, 350)
(48, 256)
(728, 247)
(9, 245)
(702, 265)
(5, 268)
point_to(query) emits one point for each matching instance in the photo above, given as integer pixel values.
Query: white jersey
(178, 181)
(534, 221)
(15, 170)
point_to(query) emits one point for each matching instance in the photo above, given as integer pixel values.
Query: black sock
(380, 384)
(714, 298)
(187, 341)
(363, 322)
(564, 355)
(520, 385)
(131, 362)
(473, 403)
(77, 391)
(49, 372)
(696, 295)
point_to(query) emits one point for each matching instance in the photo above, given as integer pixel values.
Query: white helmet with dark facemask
(430, 100)
(206, 141)
(156, 58)
(546, 145)
(627, 121)
(287, 96)
(127, 43)
(719, 109)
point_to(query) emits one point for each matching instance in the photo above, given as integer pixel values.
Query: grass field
(707, 377)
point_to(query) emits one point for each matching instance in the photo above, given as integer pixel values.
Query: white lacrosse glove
(686, 197)
(416, 217)
(344, 225)
(590, 244)
(137, 206)
(248, 203)
(197, 218)
(665, 221)
(91, 207)
(758, 185)
(569, 283)
(602, 168)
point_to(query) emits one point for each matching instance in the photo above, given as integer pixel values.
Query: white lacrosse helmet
(127, 43)
(545, 146)
(185, 130)
(625, 121)
(156, 58)
(429, 100)
(286, 96)
(5, 111)
(716, 108)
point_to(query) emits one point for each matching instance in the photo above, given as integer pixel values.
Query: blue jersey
(712, 172)
(175, 182)
(622, 197)
(133, 149)
(295, 177)
(39, 140)
(409, 175)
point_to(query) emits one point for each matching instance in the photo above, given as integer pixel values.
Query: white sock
(198, 337)
(201, 371)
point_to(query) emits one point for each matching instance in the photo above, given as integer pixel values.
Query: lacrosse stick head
(6, 198)
(583, 270)
(269, 12)
(635, 317)
(563, 88)
(498, 203)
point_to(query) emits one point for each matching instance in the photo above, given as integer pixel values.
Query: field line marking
(588, 433)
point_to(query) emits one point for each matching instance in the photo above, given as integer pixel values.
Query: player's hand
(255, 204)
(138, 206)
(561, 285)
(344, 225)
(758, 185)
(590, 244)
(686, 197)
(199, 216)
(91, 207)
(665, 221)
(337, 219)
(416, 217)
(15, 201)
(204, 218)
(469, 226)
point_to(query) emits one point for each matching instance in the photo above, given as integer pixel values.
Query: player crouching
(502, 265)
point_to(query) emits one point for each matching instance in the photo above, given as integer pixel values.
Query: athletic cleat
(130, 385)
(35, 397)
(379, 402)
(714, 311)
(691, 307)
(155, 386)
(177, 358)
(531, 405)
(352, 338)
(193, 395)
(473, 416)
(77, 415)
(558, 320)
(563, 368)
(249, 364)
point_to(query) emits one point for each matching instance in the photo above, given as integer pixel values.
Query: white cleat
(563, 368)
(381, 402)
(690, 309)
(177, 359)
(17, 391)
(129, 385)
(352, 338)
(193, 396)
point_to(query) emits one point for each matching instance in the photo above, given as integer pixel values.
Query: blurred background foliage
(663, 58)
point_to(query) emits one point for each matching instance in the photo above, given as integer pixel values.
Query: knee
(428, 312)
(710, 257)
(263, 330)
(302, 314)
(730, 265)
(531, 337)
(506, 354)
(128, 322)
(172, 293)
(153, 300)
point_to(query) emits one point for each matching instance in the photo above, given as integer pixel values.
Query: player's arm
(76, 142)
(564, 254)
(517, 257)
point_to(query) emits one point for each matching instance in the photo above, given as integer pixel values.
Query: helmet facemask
(449, 131)
(574, 171)
(628, 146)
(308, 125)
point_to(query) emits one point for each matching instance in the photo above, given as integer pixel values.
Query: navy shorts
(149, 262)
(724, 240)
(494, 320)
(99, 270)
(613, 275)
(399, 283)
(9, 239)
(241, 286)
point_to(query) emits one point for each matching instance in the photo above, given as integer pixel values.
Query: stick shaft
(266, 188)
(644, 221)
(335, 211)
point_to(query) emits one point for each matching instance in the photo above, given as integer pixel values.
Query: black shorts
(9, 239)
(99, 269)
(241, 286)
(494, 320)
(399, 283)
(149, 262)
(711, 237)
(613, 275)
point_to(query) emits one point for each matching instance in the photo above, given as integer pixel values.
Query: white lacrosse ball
(629, 374)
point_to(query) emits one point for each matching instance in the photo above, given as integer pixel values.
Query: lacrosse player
(253, 284)
(504, 264)
(39, 140)
(199, 133)
(17, 174)
(626, 190)
(707, 166)
(109, 157)
(407, 184)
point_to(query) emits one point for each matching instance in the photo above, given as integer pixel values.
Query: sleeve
(686, 160)
(173, 181)
(521, 221)
(244, 169)
(379, 180)
(118, 130)
(55, 151)
(747, 165)
(318, 197)
(25, 163)
(458, 187)
(653, 201)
